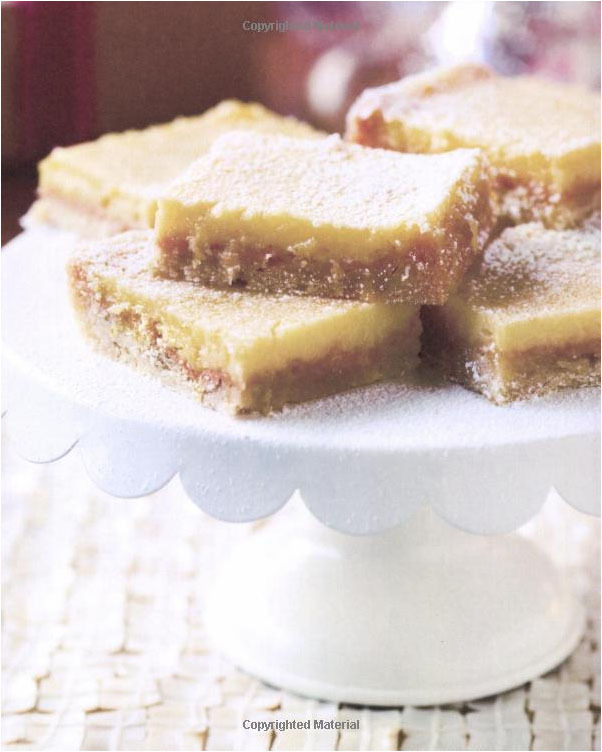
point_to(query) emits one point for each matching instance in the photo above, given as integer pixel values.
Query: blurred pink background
(74, 70)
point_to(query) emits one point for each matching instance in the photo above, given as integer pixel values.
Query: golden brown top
(142, 162)
(469, 106)
(529, 270)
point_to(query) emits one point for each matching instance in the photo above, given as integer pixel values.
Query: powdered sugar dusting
(415, 416)
(363, 461)
(510, 117)
(529, 269)
(371, 191)
(405, 417)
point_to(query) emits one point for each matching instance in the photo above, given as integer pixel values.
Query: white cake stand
(355, 607)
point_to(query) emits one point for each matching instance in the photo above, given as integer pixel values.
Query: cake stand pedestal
(406, 584)
(423, 614)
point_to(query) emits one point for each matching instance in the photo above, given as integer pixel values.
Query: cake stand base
(422, 614)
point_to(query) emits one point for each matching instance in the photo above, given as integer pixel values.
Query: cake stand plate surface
(364, 461)
(420, 613)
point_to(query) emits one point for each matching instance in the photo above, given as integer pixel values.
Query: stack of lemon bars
(255, 261)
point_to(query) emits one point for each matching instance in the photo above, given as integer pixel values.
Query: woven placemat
(104, 646)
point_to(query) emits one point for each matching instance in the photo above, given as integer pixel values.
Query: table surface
(104, 645)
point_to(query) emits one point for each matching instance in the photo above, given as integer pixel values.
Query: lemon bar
(111, 184)
(236, 352)
(526, 319)
(322, 217)
(542, 137)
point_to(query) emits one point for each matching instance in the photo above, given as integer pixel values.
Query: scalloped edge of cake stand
(364, 461)
(485, 490)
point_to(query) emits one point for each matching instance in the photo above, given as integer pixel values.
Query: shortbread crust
(541, 137)
(112, 184)
(322, 217)
(237, 352)
(526, 318)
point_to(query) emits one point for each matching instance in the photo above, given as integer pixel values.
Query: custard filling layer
(521, 333)
(320, 199)
(241, 339)
(541, 137)
(526, 316)
(328, 212)
(121, 175)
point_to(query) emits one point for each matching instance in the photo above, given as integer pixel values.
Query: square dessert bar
(325, 218)
(111, 184)
(237, 352)
(542, 137)
(526, 319)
